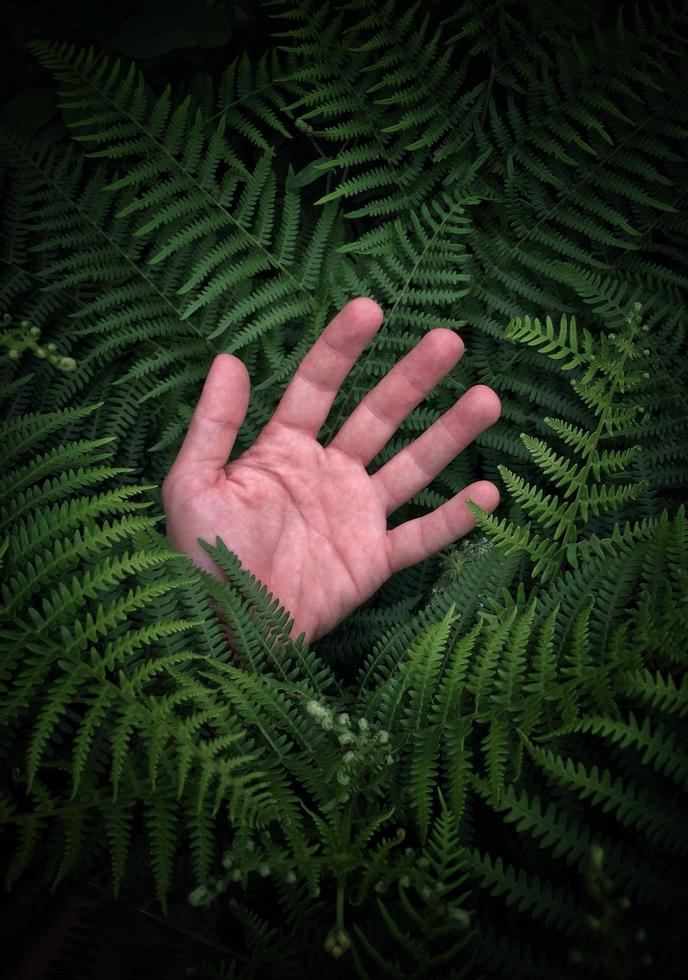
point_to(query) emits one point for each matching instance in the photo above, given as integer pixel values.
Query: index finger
(309, 395)
(217, 417)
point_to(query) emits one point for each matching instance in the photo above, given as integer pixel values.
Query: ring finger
(418, 464)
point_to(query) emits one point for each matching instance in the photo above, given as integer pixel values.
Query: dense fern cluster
(483, 770)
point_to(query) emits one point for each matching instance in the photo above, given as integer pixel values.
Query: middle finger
(375, 420)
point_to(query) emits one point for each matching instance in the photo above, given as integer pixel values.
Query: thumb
(218, 416)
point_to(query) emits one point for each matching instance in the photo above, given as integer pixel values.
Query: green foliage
(482, 771)
(608, 376)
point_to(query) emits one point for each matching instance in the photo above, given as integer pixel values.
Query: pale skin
(308, 520)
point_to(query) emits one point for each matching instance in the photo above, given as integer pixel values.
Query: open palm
(307, 520)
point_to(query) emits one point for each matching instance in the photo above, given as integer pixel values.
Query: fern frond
(630, 804)
(565, 345)
(656, 742)
(542, 899)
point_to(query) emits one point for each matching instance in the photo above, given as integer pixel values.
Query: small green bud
(315, 709)
(67, 364)
(460, 916)
(646, 352)
(236, 875)
(646, 329)
(389, 759)
(40, 352)
(250, 846)
(362, 725)
(14, 354)
(344, 719)
(290, 877)
(383, 737)
(337, 942)
(343, 777)
(637, 307)
(380, 886)
(264, 870)
(23, 324)
(7, 318)
(227, 860)
(426, 891)
(612, 336)
(199, 896)
(326, 722)
(596, 854)
(646, 374)
(52, 347)
(404, 881)
(348, 757)
(346, 738)
(35, 332)
(219, 886)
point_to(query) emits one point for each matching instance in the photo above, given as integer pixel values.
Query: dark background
(172, 40)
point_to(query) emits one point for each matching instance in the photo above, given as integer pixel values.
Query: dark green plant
(482, 771)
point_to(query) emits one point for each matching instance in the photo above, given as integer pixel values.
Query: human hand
(308, 520)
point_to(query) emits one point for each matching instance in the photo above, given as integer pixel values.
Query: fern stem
(488, 93)
(175, 164)
(582, 479)
(575, 184)
(339, 922)
(98, 231)
(400, 293)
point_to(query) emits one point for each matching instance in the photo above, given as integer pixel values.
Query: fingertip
(367, 309)
(228, 373)
(446, 341)
(230, 362)
(485, 494)
(355, 325)
(485, 402)
(227, 388)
